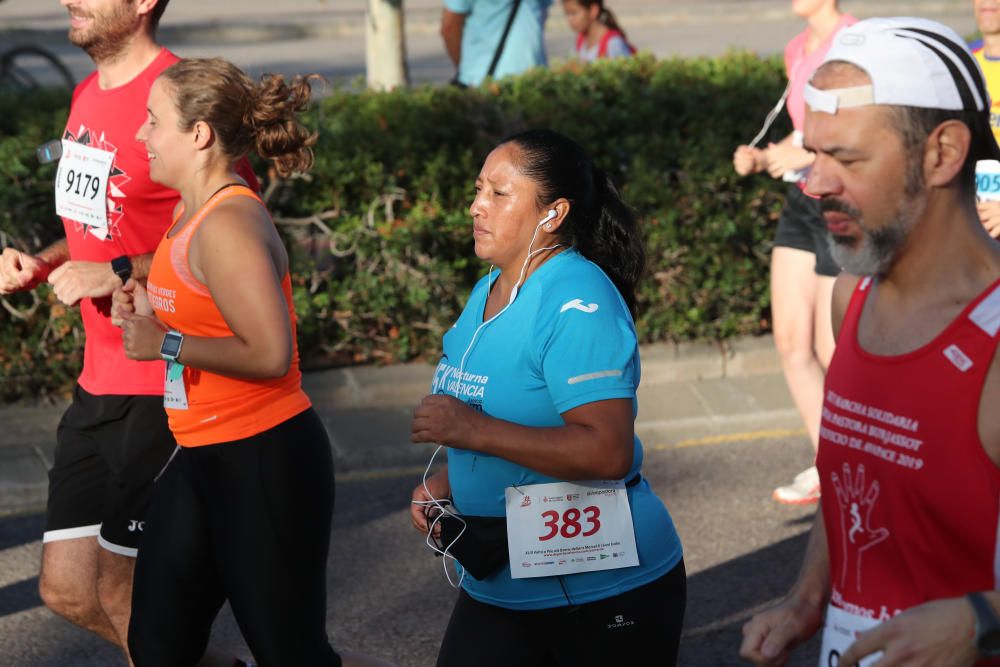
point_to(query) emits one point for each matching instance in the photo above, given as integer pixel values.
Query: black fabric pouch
(482, 548)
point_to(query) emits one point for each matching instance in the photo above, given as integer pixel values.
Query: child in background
(598, 33)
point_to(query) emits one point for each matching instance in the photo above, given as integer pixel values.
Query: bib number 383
(564, 528)
(82, 186)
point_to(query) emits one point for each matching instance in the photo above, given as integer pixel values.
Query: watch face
(122, 267)
(171, 345)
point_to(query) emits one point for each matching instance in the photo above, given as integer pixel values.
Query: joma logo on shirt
(577, 304)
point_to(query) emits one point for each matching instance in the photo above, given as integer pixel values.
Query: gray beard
(879, 248)
(874, 254)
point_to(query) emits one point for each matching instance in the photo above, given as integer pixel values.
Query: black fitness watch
(122, 266)
(987, 626)
(170, 348)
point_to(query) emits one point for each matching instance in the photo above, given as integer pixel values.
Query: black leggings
(638, 627)
(247, 521)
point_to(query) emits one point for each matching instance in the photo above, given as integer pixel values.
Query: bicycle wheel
(28, 67)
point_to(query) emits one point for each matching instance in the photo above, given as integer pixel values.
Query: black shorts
(801, 226)
(245, 521)
(638, 627)
(109, 449)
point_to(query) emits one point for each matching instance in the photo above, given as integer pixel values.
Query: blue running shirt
(567, 340)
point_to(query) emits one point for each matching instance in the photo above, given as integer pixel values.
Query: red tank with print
(910, 500)
(132, 223)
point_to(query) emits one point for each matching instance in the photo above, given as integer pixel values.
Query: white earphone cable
(443, 504)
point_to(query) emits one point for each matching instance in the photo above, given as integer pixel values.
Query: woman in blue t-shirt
(535, 398)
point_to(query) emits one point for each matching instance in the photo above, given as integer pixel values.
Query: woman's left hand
(444, 420)
(142, 336)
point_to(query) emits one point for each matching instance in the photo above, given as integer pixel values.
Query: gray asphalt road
(388, 596)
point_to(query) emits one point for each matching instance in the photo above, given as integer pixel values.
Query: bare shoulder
(236, 216)
(843, 288)
(236, 235)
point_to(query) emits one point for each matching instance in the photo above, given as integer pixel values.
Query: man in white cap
(902, 564)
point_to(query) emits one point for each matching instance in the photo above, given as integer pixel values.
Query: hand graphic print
(856, 504)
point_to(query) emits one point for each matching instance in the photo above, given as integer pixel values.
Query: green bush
(380, 231)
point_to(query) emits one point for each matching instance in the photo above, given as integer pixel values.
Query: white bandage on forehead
(828, 101)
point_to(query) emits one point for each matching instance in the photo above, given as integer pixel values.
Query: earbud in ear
(552, 213)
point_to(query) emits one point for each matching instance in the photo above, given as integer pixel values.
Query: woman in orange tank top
(243, 511)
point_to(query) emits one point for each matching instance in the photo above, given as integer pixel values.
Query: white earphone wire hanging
(442, 504)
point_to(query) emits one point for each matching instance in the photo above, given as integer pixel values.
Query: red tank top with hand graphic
(910, 500)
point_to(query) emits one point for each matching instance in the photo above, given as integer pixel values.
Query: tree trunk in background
(385, 45)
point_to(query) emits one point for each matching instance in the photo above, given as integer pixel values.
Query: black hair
(599, 224)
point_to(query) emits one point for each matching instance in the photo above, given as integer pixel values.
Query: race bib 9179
(565, 527)
(82, 186)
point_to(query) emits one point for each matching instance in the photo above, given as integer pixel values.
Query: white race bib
(988, 180)
(565, 527)
(840, 631)
(174, 393)
(82, 186)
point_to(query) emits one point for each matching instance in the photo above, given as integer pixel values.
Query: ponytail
(599, 224)
(612, 241)
(243, 115)
(278, 134)
(607, 17)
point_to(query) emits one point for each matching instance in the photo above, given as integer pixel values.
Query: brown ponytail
(245, 116)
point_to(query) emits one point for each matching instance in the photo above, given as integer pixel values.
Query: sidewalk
(228, 21)
(689, 391)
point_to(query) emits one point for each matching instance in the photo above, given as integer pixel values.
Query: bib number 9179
(82, 184)
(570, 523)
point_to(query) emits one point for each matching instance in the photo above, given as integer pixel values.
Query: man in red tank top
(113, 438)
(903, 563)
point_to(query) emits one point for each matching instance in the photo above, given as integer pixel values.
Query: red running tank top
(220, 408)
(138, 214)
(910, 501)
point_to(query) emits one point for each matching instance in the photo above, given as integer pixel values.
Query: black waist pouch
(482, 547)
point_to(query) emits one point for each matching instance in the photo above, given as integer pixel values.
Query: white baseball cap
(911, 62)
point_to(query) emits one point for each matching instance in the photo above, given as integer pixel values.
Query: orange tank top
(220, 408)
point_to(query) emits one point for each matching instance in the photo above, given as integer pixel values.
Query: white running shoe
(802, 491)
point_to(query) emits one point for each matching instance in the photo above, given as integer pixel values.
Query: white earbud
(552, 213)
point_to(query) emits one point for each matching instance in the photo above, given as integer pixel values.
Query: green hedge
(380, 231)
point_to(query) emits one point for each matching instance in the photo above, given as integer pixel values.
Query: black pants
(247, 521)
(638, 627)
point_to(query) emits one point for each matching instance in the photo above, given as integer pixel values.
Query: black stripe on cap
(968, 100)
